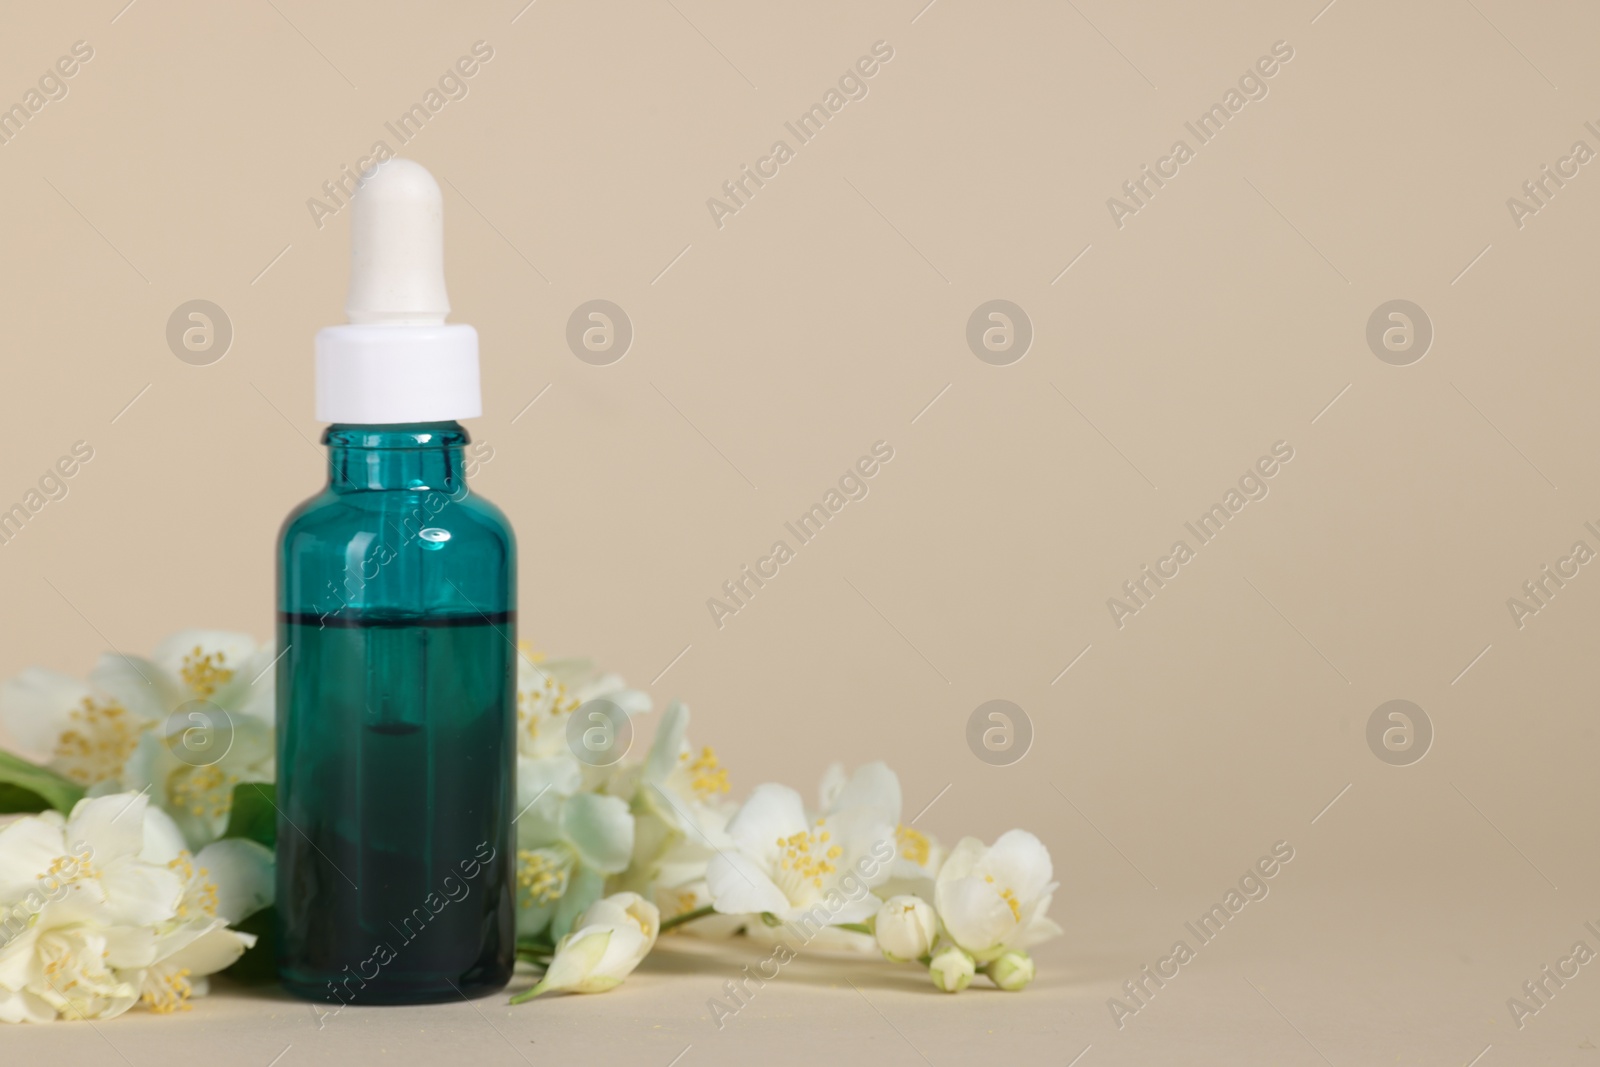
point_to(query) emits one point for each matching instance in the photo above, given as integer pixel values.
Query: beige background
(826, 315)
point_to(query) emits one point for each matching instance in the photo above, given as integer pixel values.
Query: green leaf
(27, 787)
(258, 965)
(254, 815)
(15, 800)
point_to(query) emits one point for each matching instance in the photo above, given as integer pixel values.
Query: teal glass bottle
(396, 725)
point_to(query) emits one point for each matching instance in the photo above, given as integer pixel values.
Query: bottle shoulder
(402, 518)
(396, 551)
(489, 513)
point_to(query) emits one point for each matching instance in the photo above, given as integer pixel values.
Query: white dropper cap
(397, 360)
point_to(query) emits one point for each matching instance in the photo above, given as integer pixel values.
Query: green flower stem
(677, 920)
(537, 951)
(528, 994)
(859, 928)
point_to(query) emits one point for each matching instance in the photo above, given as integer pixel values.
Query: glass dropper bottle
(397, 624)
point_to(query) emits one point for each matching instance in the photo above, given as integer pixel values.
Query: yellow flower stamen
(203, 672)
(710, 778)
(547, 700)
(1008, 895)
(199, 894)
(541, 876)
(171, 992)
(800, 856)
(914, 845)
(64, 869)
(98, 742)
(202, 791)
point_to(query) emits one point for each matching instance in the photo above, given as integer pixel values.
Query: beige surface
(1315, 978)
(825, 315)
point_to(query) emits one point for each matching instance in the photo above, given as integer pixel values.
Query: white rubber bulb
(397, 248)
(397, 360)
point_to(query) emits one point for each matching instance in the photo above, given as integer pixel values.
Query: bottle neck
(418, 456)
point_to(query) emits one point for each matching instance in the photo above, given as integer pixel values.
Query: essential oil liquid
(395, 775)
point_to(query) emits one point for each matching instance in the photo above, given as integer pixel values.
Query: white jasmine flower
(607, 942)
(566, 847)
(991, 899)
(952, 969)
(191, 770)
(689, 789)
(227, 882)
(681, 812)
(918, 858)
(906, 927)
(873, 786)
(548, 692)
(88, 866)
(118, 730)
(83, 735)
(75, 979)
(680, 805)
(792, 866)
(105, 908)
(918, 854)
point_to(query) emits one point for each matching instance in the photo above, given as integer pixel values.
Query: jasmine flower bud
(905, 928)
(952, 969)
(1012, 971)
